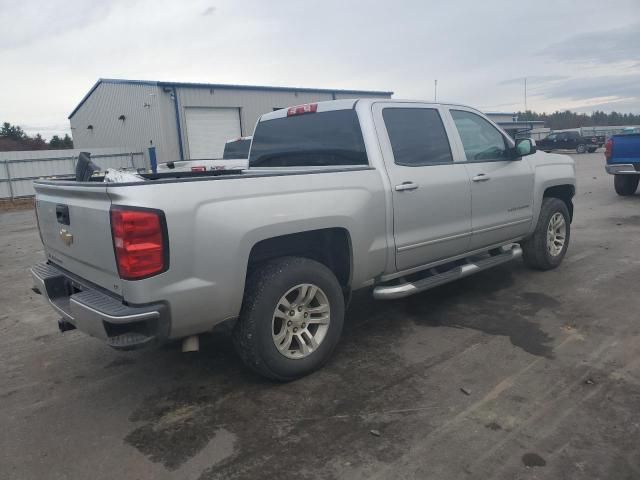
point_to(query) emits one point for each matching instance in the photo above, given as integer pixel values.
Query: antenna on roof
(435, 90)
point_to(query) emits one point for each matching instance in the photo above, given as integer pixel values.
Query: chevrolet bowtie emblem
(66, 237)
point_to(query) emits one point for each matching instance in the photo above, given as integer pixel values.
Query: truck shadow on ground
(483, 302)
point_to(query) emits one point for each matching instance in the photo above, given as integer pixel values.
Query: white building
(182, 120)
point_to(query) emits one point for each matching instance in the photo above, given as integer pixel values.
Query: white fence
(19, 169)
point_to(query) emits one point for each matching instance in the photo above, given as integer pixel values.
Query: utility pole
(435, 90)
(525, 94)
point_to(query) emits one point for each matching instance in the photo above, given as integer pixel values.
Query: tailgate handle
(62, 214)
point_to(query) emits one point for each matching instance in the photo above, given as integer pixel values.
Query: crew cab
(622, 153)
(570, 140)
(393, 196)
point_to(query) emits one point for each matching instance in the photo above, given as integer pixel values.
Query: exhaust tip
(65, 326)
(191, 344)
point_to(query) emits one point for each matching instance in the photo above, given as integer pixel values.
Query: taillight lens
(199, 169)
(302, 109)
(608, 149)
(139, 242)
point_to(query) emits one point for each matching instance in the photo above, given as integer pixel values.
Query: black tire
(581, 148)
(592, 149)
(253, 333)
(535, 252)
(626, 185)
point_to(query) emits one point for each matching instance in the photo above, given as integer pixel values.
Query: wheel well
(564, 193)
(329, 246)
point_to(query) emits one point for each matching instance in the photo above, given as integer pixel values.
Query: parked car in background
(339, 196)
(622, 153)
(234, 157)
(569, 141)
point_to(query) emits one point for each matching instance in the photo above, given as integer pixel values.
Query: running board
(391, 292)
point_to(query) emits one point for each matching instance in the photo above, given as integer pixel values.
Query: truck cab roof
(345, 104)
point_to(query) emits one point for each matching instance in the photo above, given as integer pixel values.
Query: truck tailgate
(75, 227)
(626, 148)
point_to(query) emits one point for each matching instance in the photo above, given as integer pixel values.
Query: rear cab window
(417, 136)
(330, 138)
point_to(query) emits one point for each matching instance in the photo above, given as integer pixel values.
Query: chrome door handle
(481, 177)
(406, 186)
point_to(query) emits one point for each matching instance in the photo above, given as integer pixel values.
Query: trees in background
(568, 119)
(13, 138)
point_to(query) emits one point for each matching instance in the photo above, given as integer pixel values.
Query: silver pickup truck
(394, 196)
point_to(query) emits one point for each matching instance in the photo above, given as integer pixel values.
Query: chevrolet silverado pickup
(393, 196)
(622, 153)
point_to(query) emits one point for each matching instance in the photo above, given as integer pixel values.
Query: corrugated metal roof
(223, 86)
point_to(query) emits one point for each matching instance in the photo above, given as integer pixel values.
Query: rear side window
(238, 149)
(417, 136)
(481, 141)
(307, 140)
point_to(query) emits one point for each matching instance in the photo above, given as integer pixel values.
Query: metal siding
(23, 166)
(252, 103)
(141, 126)
(157, 123)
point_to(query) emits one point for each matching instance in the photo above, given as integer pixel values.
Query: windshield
(312, 139)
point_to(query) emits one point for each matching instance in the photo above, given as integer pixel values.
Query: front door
(501, 186)
(431, 193)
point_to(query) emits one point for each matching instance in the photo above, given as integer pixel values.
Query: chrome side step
(391, 292)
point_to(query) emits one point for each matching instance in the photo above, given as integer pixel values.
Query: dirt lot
(550, 363)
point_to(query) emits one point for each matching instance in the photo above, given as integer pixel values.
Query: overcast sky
(581, 55)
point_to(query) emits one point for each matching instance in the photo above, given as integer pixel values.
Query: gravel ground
(509, 374)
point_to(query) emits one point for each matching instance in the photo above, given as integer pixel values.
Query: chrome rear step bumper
(123, 327)
(434, 279)
(622, 169)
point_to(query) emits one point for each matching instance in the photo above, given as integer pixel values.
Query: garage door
(209, 128)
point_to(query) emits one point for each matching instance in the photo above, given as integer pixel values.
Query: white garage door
(209, 128)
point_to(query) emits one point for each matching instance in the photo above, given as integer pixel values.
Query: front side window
(330, 138)
(481, 140)
(552, 137)
(417, 136)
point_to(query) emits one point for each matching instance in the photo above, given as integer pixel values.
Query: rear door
(431, 192)
(573, 139)
(563, 141)
(501, 186)
(75, 227)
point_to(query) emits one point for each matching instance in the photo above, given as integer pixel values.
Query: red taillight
(139, 243)
(302, 109)
(198, 169)
(608, 149)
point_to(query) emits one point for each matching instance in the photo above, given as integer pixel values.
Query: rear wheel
(548, 245)
(291, 318)
(626, 185)
(581, 148)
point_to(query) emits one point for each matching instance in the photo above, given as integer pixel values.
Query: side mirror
(524, 147)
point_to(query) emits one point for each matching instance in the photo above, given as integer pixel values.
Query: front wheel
(626, 185)
(548, 245)
(581, 148)
(291, 318)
